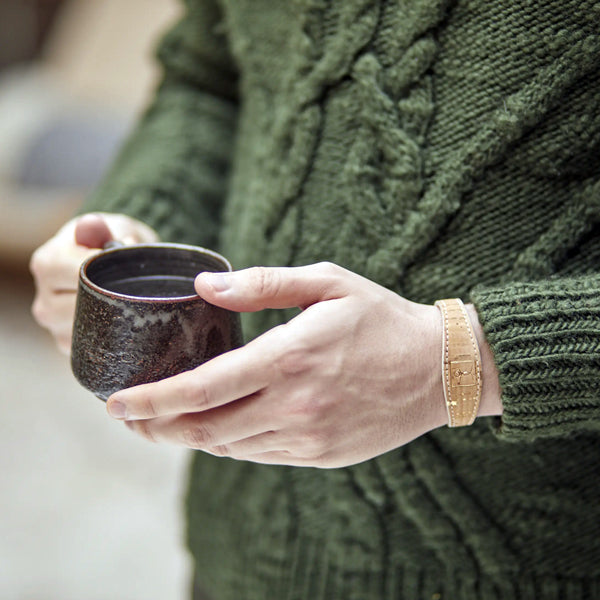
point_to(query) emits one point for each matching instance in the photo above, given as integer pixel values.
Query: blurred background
(87, 510)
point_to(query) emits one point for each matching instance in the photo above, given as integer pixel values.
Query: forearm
(491, 395)
(172, 173)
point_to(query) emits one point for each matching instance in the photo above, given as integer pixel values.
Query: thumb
(92, 231)
(274, 287)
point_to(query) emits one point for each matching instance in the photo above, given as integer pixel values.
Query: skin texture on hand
(357, 373)
(55, 266)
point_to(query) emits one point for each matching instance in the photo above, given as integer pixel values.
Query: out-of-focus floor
(87, 509)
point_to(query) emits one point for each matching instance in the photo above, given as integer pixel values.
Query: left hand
(357, 373)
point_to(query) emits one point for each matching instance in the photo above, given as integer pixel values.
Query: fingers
(56, 268)
(55, 265)
(55, 274)
(221, 433)
(192, 432)
(280, 457)
(54, 311)
(223, 379)
(212, 430)
(258, 288)
(92, 231)
(128, 230)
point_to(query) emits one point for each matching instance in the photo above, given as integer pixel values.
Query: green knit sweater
(441, 148)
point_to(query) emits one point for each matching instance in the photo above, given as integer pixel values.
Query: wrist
(491, 396)
(438, 415)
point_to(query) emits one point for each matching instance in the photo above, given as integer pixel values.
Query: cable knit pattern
(441, 148)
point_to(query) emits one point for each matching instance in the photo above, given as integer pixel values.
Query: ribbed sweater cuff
(545, 337)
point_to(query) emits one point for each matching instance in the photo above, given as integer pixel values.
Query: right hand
(55, 266)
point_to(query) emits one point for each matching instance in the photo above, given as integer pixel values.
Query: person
(358, 161)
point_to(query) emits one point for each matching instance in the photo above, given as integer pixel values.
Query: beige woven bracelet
(461, 364)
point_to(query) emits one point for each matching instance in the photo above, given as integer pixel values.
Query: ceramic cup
(138, 318)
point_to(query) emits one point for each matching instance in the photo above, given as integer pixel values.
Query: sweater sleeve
(172, 171)
(545, 337)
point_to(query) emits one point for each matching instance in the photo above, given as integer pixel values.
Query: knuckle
(43, 313)
(332, 277)
(39, 312)
(40, 262)
(198, 437)
(293, 361)
(313, 444)
(329, 268)
(222, 450)
(147, 407)
(266, 281)
(195, 394)
(36, 262)
(331, 272)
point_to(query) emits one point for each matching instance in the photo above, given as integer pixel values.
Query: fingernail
(219, 282)
(117, 410)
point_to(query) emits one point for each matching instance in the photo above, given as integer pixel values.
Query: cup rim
(89, 284)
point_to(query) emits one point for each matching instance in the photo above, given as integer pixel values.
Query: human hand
(55, 266)
(356, 374)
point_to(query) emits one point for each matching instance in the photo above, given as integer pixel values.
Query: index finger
(223, 379)
(56, 267)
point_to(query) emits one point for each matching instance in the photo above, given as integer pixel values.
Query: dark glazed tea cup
(138, 318)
